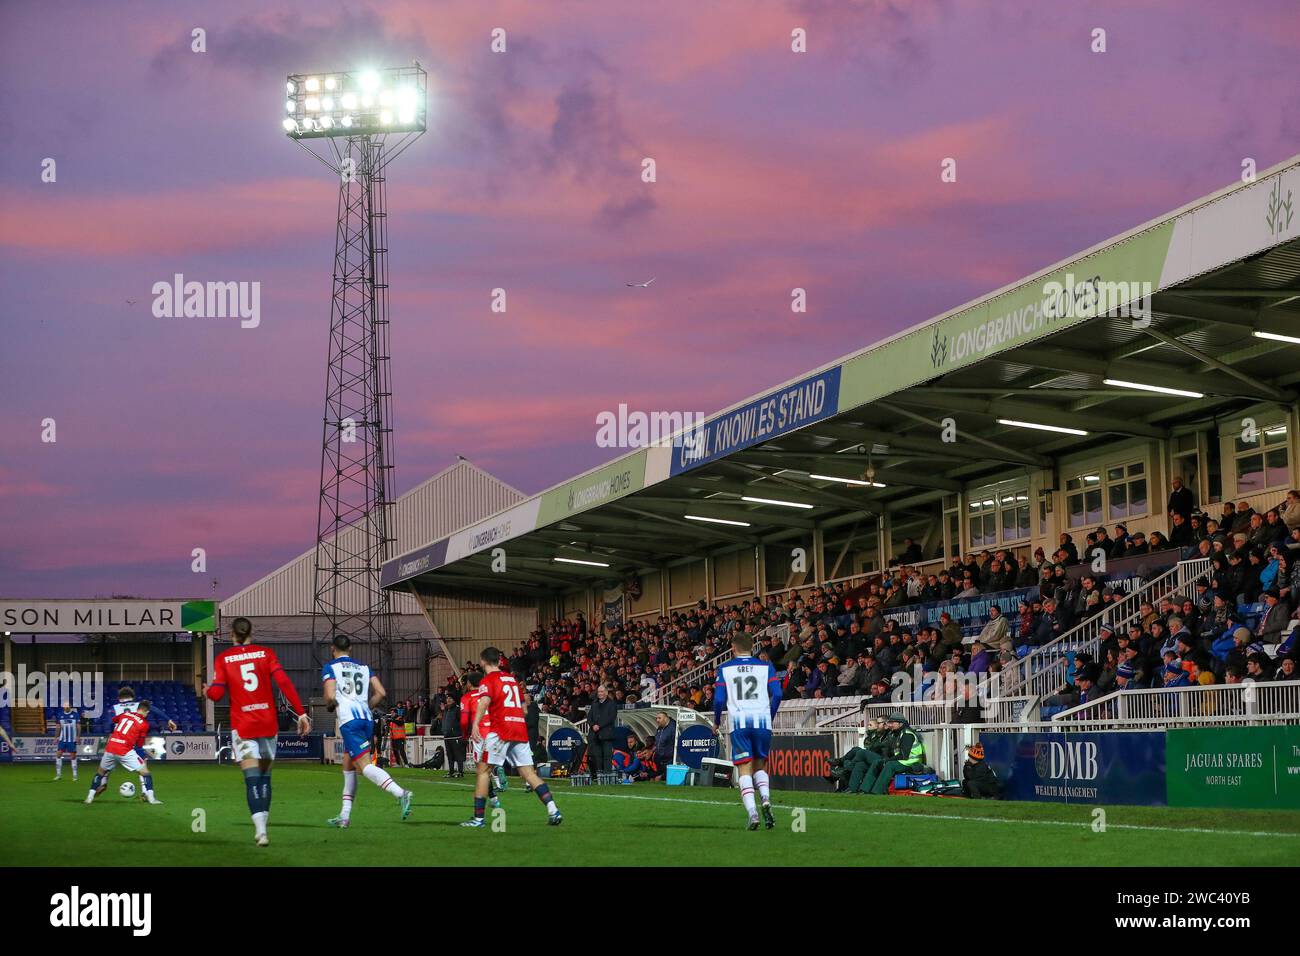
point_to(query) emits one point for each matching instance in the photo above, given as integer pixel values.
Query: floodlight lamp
(326, 122)
(349, 101)
(369, 80)
(346, 121)
(289, 106)
(329, 83)
(313, 84)
(290, 125)
(290, 87)
(386, 118)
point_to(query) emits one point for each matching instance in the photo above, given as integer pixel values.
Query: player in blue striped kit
(751, 692)
(69, 732)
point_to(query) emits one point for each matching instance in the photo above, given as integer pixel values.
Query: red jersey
(252, 671)
(468, 708)
(506, 707)
(128, 733)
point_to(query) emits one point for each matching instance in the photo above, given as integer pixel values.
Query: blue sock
(146, 781)
(266, 792)
(480, 807)
(97, 782)
(544, 794)
(251, 779)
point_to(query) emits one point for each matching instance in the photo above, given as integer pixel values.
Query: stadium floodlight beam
(1038, 426)
(773, 501)
(594, 564)
(855, 482)
(333, 115)
(1160, 389)
(1278, 337)
(738, 524)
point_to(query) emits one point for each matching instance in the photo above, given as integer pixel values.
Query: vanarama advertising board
(1238, 767)
(801, 761)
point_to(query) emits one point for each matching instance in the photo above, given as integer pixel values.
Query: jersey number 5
(249, 674)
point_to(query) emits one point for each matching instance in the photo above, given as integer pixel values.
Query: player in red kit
(499, 729)
(251, 673)
(129, 729)
(468, 708)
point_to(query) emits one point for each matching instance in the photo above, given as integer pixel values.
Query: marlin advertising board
(1087, 768)
(184, 747)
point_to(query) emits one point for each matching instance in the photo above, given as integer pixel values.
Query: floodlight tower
(356, 123)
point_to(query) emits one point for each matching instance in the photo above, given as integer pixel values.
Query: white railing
(1266, 702)
(1043, 670)
(704, 670)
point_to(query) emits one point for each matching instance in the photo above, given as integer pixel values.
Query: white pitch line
(576, 792)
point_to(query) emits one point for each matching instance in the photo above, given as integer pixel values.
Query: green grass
(45, 824)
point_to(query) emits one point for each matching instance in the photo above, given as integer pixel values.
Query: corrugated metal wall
(471, 621)
(448, 501)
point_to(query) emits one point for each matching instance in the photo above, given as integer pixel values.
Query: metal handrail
(1042, 671)
(1247, 700)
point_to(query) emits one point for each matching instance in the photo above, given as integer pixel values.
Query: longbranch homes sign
(107, 616)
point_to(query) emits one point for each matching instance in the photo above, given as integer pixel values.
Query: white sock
(58, 766)
(73, 761)
(383, 781)
(760, 781)
(349, 791)
(747, 794)
(259, 822)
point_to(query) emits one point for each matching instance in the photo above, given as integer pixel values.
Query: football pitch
(44, 823)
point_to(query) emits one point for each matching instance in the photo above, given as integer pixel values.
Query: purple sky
(775, 170)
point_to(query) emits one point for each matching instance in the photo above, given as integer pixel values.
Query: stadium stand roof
(1219, 275)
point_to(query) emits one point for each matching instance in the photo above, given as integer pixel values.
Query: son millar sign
(801, 762)
(1086, 768)
(107, 616)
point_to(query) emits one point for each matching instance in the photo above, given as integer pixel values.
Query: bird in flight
(130, 301)
(642, 285)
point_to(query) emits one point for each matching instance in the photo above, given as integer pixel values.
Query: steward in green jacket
(902, 751)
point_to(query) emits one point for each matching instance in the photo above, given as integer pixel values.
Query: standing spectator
(1180, 499)
(601, 716)
(451, 738)
(665, 740)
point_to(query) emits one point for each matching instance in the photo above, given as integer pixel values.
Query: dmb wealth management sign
(106, 616)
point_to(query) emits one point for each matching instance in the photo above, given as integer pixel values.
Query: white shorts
(129, 760)
(255, 748)
(499, 751)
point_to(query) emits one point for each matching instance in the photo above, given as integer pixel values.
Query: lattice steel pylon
(356, 123)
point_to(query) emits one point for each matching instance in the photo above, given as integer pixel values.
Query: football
(155, 747)
(127, 790)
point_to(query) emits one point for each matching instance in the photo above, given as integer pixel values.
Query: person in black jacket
(455, 744)
(978, 781)
(601, 717)
(1180, 499)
